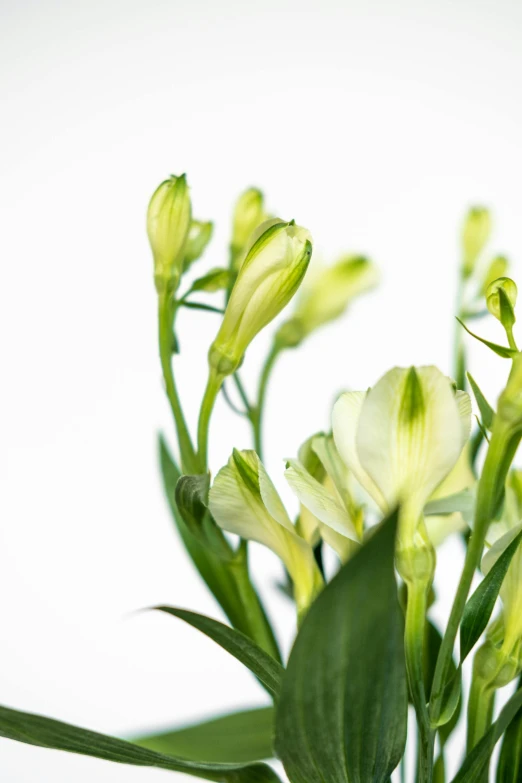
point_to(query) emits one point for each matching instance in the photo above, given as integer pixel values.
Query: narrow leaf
(236, 738)
(47, 733)
(510, 761)
(215, 279)
(266, 668)
(191, 499)
(476, 763)
(343, 707)
(480, 606)
(500, 350)
(486, 411)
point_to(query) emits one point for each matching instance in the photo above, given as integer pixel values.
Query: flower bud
(497, 268)
(168, 224)
(326, 297)
(198, 238)
(501, 298)
(475, 235)
(271, 274)
(249, 213)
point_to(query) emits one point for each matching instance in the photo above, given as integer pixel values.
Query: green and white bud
(249, 213)
(271, 274)
(326, 296)
(199, 236)
(244, 501)
(498, 268)
(475, 235)
(501, 298)
(168, 226)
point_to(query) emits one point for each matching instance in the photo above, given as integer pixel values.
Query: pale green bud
(475, 235)
(249, 213)
(198, 238)
(168, 225)
(501, 298)
(271, 274)
(326, 297)
(497, 268)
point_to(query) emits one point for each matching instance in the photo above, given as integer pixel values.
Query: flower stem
(257, 412)
(166, 312)
(502, 447)
(416, 608)
(214, 384)
(480, 709)
(459, 354)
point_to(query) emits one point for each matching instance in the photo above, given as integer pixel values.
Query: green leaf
(487, 413)
(480, 606)
(216, 279)
(510, 761)
(266, 668)
(476, 763)
(191, 497)
(48, 733)
(500, 350)
(229, 582)
(343, 707)
(240, 737)
(432, 645)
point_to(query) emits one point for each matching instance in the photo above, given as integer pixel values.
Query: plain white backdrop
(375, 124)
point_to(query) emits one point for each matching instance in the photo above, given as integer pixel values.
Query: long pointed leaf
(266, 668)
(48, 733)
(343, 707)
(481, 604)
(510, 761)
(476, 763)
(239, 737)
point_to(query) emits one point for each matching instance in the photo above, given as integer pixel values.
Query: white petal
(440, 527)
(324, 447)
(410, 433)
(464, 405)
(345, 420)
(319, 501)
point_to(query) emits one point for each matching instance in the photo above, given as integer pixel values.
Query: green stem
(166, 311)
(511, 339)
(214, 384)
(501, 450)
(459, 354)
(416, 608)
(257, 412)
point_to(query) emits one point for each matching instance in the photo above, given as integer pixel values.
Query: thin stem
(459, 354)
(498, 459)
(511, 339)
(165, 336)
(242, 393)
(209, 398)
(257, 412)
(416, 608)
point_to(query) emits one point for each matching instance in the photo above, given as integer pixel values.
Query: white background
(373, 124)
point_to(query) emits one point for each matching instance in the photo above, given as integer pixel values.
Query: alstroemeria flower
(321, 483)
(244, 501)
(499, 537)
(402, 438)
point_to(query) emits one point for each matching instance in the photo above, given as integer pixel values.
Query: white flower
(402, 438)
(320, 481)
(244, 501)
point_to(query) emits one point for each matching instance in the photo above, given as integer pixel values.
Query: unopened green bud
(270, 275)
(501, 298)
(198, 238)
(168, 225)
(497, 268)
(249, 213)
(475, 235)
(327, 296)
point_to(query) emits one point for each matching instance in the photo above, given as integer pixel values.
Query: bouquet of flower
(403, 466)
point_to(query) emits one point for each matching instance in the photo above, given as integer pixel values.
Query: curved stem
(459, 355)
(209, 398)
(257, 412)
(416, 608)
(165, 335)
